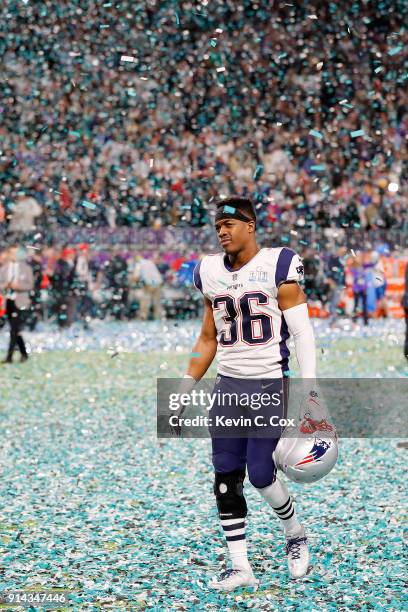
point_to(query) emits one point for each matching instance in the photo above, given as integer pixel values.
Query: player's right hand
(186, 386)
(175, 429)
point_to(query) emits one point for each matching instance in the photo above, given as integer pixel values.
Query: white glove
(186, 386)
(313, 415)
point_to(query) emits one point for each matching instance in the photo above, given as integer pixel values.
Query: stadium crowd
(140, 113)
(81, 283)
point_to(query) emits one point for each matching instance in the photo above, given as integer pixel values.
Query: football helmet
(308, 454)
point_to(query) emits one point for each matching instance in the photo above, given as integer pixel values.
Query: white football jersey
(251, 331)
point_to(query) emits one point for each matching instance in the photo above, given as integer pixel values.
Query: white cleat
(234, 579)
(298, 556)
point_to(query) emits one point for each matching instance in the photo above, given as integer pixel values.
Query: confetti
(395, 50)
(89, 205)
(316, 133)
(229, 209)
(357, 133)
(258, 172)
(93, 505)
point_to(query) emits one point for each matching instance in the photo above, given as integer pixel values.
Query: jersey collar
(227, 264)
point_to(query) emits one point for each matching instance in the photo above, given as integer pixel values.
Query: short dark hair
(243, 205)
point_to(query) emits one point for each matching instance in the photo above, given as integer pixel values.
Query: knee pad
(229, 494)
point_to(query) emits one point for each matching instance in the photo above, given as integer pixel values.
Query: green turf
(92, 501)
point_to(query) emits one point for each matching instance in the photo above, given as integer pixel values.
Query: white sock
(280, 501)
(234, 530)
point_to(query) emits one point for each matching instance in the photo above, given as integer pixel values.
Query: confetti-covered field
(91, 501)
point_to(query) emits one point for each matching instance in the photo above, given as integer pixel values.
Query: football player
(252, 304)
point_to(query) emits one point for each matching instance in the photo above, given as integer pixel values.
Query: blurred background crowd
(81, 283)
(121, 122)
(140, 113)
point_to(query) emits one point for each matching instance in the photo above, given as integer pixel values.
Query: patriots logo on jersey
(319, 449)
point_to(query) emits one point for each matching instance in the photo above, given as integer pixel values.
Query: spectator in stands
(359, 274)
(117, 279)
(35, 314)
(312, 265)
(380, 284)
(16, 280)
(24, 214)
(336, 280)
(84, 285)
(405, 306)
(147, 274)
(64, 287)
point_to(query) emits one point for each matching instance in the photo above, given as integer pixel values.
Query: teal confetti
(86, 450)
(318, 167)
(229, 209)
(177, 18)
(316, 134)
(258, 172)
(195, 354)
(377, 70)
(357, 133)
(395, 50)
(89, 205)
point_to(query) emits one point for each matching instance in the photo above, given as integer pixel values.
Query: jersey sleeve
(197, 277)
(289, 267)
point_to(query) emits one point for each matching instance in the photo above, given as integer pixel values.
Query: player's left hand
(313, 414)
